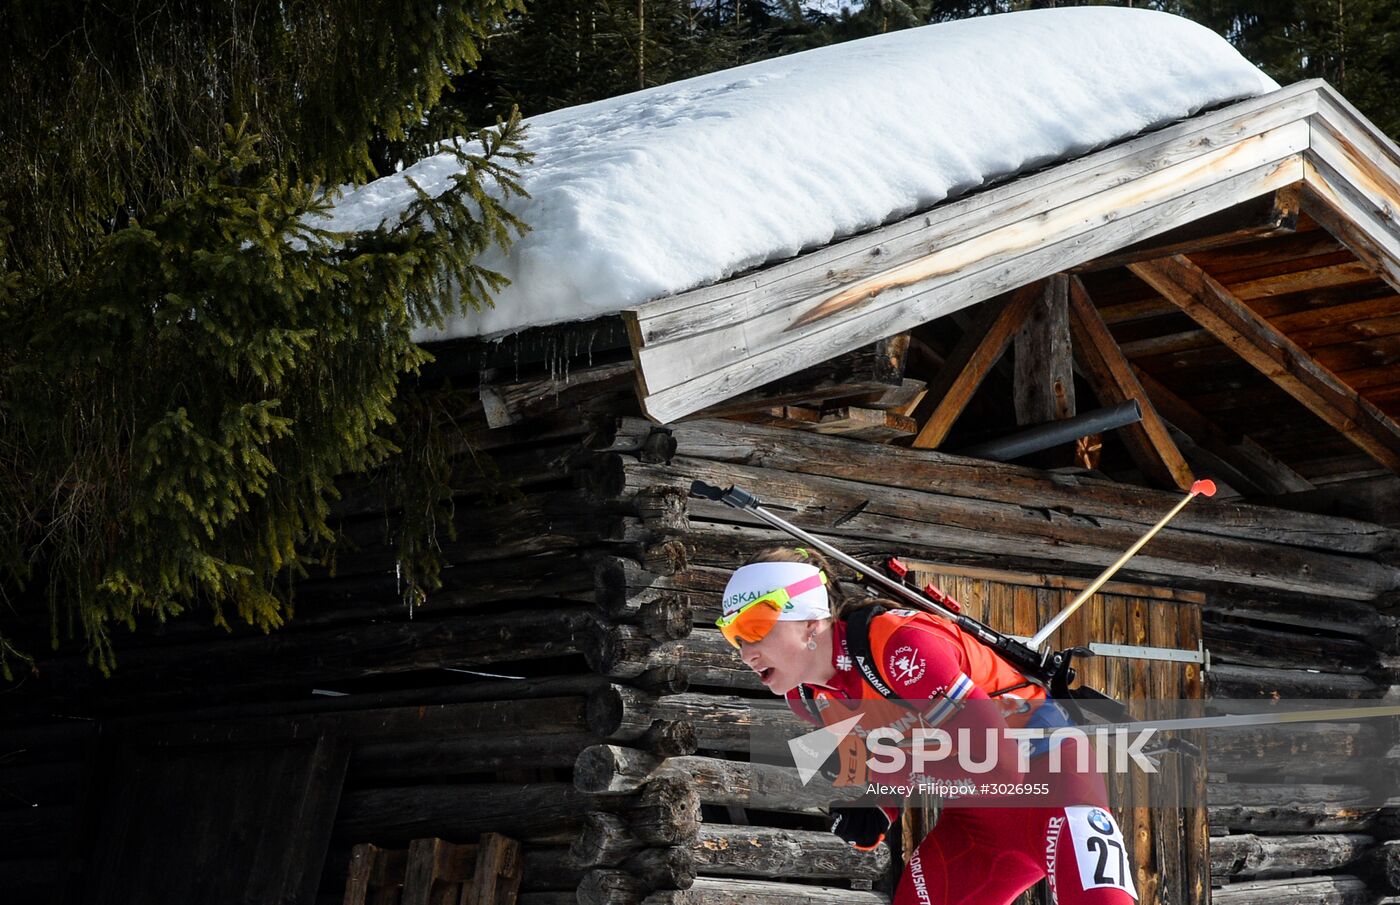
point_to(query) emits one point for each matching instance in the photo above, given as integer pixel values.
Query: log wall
(617, 749)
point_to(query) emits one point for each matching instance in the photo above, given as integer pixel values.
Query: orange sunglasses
(753, 621)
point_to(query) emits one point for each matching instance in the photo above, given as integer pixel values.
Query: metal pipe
(1053, 433)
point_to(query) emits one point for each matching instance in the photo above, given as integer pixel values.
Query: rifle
(1051, 669)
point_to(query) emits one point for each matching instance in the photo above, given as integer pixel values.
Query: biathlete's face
(781, 658)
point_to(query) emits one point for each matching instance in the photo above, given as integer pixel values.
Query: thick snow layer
(681, 185)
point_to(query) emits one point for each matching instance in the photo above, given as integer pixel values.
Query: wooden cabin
(1232, 278)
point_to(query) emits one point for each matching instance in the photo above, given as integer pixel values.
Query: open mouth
(765, 674)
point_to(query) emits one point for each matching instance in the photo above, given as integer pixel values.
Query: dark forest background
(560, 53)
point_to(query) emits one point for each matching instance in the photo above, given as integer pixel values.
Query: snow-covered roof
(659, 191)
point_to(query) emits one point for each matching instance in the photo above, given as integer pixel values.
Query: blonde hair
(841, 605)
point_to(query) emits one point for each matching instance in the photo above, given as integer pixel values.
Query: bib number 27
(1099, 849)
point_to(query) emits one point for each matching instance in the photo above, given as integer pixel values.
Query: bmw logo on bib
(1100, 821)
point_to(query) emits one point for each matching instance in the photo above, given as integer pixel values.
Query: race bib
(1099, 849)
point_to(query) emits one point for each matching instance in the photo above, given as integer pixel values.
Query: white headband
(753, 581)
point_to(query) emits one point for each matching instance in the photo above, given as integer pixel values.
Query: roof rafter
(1113, 381)
(1254, 339)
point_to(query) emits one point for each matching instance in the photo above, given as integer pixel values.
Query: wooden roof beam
(1276, 356)
(981, 346)
(1112, 378)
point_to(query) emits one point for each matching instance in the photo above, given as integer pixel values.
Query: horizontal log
(1310, 748)
(1343, 617)
(612, 769)
(1338, 890)
(610, 887)
(506, 468)
(844, 508)
(547, 813)
(399, 761)
(280, 660)
(1252, 682)
(760, 851)
(357, 595)
(727, 722)
(513, 402)
(669, 867)
(729, 890)
(547, 522)
(1292, 808)
(538, 717)
(1255, 856)
(940, 473)
(1252, 645)
(548, 868)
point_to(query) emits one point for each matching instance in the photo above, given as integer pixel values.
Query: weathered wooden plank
(1275, 355)
(688, 357)
(1355, 171)
(980, 348)
(1148, 441)
(1322, 324)
(1257, 218)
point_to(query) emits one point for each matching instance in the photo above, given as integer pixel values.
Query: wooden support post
(1149, 443)
(969, 363)
(1044, 363)
(1276, 356)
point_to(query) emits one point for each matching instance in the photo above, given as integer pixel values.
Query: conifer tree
(187, 361)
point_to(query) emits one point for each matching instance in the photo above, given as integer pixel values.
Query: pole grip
(730, 496)
(705, 491)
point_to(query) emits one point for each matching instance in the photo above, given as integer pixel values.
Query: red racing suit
(983, 855)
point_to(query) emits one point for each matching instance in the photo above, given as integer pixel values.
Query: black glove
(863, 827)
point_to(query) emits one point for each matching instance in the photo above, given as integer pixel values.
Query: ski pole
(1199, 488)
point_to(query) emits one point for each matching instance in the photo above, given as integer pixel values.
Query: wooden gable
(1125, 204)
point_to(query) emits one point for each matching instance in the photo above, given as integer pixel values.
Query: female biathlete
(789, 625)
